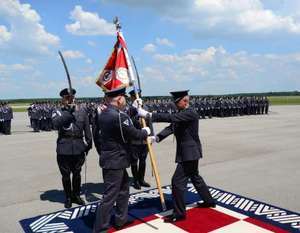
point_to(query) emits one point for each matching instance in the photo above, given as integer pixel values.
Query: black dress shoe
(136, 185)
(144, 184)
(77, 199)
(68, 203)
(206, 205)
(119, 227)
(174, 218)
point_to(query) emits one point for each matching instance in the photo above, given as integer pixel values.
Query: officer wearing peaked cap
(35, 116)
(72, 125)
(7, 117)
(184, 125)
(112, 135)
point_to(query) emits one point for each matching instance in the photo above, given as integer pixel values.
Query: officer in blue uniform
(72, 125)
(6, 115)
(184, 125)
(35, 113)
(1, 117)
(112, 135)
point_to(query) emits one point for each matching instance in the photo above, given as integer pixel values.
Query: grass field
(19, 109)
(284, 100)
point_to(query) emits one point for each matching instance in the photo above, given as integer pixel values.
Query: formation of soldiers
(6, 115)
(207, 107)
(40, 114)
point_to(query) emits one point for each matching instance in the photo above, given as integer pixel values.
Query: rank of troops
(40, 113)
(206, 107)
(6, 115)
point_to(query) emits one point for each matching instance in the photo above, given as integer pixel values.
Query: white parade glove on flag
(153, 139)
(143, 113)
(147, 130)
(137, 103)
(101, 108)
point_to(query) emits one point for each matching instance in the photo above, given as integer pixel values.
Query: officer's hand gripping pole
(152, 157)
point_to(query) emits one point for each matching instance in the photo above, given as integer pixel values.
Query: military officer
(113, 132)
(35, 114)
(72, 125)
(1, 117)
(184, 125)
(7, 117)
(266, 105)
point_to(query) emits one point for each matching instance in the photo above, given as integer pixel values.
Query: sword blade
(137, 74)
(67, 72)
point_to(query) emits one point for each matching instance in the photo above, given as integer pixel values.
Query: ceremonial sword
(67, 72)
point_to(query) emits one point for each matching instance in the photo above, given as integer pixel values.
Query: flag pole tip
(116, 22)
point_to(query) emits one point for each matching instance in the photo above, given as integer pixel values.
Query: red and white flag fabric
(116, 71)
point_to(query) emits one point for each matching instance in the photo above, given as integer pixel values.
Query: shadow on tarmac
(89, 189)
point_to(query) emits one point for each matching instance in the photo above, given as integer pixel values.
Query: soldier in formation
(6, 115)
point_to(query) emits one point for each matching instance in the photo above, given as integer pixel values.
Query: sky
(210, 47)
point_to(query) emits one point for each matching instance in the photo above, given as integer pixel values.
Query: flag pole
(152, 156)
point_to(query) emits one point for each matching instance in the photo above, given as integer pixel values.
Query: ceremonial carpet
(234, 213)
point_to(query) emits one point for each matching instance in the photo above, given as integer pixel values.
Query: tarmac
(255, 156)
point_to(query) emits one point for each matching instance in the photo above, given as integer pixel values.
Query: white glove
(137, 103)
(153, 139)
(147, 130)
(143, 113)
(101, 108)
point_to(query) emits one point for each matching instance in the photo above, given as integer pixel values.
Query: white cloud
(89, 61)
(158, 5)
(10, 70)
(84, 81)
(249, 17)
(227, 18)
(153, 74)
(25, 33)
(193, 55)
(4, 34)
(88, 23)
(91, 43)
(215, 70)
(73, 54)
(164, 41)
(149, 48)
(88, 80)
